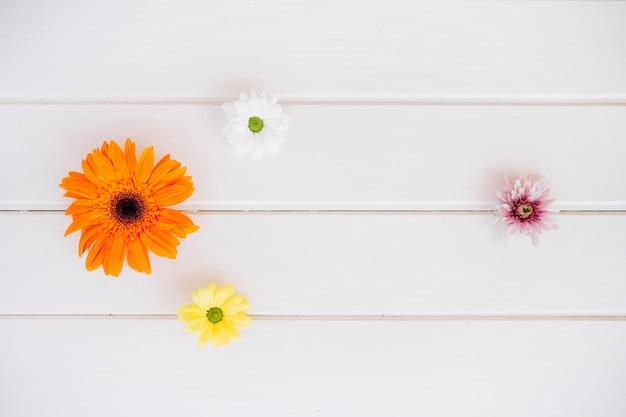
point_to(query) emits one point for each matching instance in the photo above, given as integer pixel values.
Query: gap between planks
(338, 207)
(340, 212)
(365, 99)
(343, 317)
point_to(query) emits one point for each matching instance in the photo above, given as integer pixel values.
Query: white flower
(255, 124)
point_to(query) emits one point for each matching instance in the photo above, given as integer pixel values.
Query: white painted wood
(331, 264)
(101, 368)
(395, 106)
(363, 156)
(412, 99)
(194, 47)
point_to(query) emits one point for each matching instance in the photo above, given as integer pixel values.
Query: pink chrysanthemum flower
(524, 208)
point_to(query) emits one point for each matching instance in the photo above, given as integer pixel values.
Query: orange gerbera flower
(120, 207)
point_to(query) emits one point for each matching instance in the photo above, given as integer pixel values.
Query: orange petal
(165, 158)
(77, 175)
(169, 215)
(191, 228)
(179, 232)
(164, 226)
(173, 194)
(182, 231)
(87, 238)
(161, 171)
(79, 221)
(140, 256)
(115, 258)
(79, 207)
(89, 172)
(130, 154)
(144, 165)
(117, 158)
(170, 178)
(80, 193)
(72, 195)
(165, 236)
(104, 165)
(183, 223)
(130, 258)
(105, 149)
(157, 246)
(97, 252)
(77, 183)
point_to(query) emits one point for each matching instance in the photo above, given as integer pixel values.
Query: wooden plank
(394, 157)
(488, 369)
(399, 46)
(331, 264)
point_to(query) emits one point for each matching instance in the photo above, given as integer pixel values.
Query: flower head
(255, 124)
(524, 208)
(120, 207)
(215, 314)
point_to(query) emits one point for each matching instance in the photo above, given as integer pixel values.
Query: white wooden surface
(399, 110)
(393, 156)
(488, 369)
(334, 264)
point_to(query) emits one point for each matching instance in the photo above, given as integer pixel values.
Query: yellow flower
(120, 207)
(215, 314)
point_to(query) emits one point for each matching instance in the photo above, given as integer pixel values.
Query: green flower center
(214, 314)
(255, 124)
(524, 211)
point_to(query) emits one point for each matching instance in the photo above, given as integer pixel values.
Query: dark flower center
(524, 211)
(127, 208)
(255, 124)
(214, 314)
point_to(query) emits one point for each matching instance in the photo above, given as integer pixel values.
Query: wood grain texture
(482, 369)
(193, 47)
(362, 155)
(332, 264)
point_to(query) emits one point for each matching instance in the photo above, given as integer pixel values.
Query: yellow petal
(190, 312)
(222, 293)
(220, 337)
(203, 298)
(234, 304)
(238, 319)
(198, 325)
(212, 288)
(206, 336)
(231, 332)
